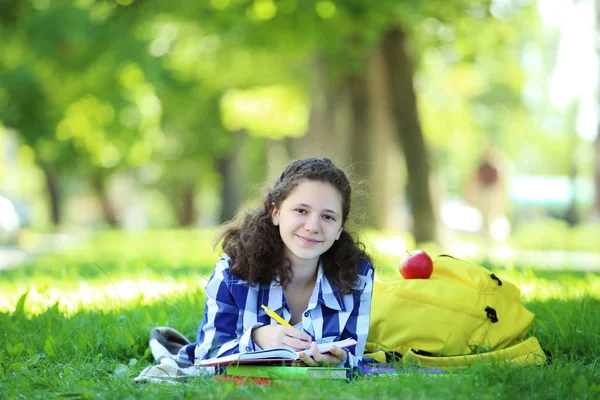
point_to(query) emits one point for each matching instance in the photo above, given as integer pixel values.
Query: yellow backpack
(463, 314)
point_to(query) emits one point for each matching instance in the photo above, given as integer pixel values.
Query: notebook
(284, 354)
(285, 372)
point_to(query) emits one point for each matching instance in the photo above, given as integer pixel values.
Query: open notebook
(270, 355)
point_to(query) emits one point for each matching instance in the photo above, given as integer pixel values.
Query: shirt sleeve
(221, 332)
(358, 324)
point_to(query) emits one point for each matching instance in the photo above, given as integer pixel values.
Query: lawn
(75, 326)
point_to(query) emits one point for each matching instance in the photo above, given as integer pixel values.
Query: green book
(286, 372)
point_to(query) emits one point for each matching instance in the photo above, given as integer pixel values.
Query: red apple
(416, 265)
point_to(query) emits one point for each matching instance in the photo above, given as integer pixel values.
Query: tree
(35, 121)
(409, 133)
(596, 209)
(79, 93)
(342, 38)
(180, 86)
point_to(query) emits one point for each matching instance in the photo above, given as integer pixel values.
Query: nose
(312, 223)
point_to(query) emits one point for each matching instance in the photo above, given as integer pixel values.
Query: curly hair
(255, 246)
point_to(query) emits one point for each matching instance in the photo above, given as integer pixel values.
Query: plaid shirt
(233, 310)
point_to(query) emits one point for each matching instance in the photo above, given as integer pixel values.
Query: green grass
(75, 326)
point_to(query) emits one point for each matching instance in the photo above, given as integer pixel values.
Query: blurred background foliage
(141, 114)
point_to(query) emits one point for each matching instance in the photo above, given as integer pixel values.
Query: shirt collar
(326, 292)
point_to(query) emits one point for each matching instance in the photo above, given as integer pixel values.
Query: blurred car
(10, 222)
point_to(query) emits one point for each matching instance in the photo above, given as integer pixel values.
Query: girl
(294, 256)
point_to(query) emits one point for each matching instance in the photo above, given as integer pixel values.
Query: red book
(241, 380)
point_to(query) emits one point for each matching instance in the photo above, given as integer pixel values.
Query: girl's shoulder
(223, 265)
(223, 271)
(365, 267)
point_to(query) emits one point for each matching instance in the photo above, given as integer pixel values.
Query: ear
(339, 233)
(274, 214)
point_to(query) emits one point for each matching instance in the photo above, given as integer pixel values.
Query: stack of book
(263, 366)
(277, 354)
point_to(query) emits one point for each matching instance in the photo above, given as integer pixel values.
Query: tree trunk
(596, 210)
(596, 207)
(351, 122)
(54, 195)
(408, 130)
(320, 136)
(339, 129)
(359, 139)
(571, 214)
(277, 154)
(386, 198)
(108, 211)
(232, 167)
(187, 211)
(230, 193)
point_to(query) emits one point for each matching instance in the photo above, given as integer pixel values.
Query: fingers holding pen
(295, 333)
(270, 336)
(295, 339)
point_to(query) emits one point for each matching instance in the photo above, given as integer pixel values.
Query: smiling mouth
(308, 240)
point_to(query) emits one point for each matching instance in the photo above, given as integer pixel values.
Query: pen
(276, 317)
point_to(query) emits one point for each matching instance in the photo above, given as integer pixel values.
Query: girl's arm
(221, 331)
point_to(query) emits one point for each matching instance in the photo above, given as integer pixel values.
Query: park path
(535, 259)
(12, 256)
(548, 259)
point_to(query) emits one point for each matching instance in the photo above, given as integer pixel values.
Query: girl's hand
(336, 356)
(270, 336)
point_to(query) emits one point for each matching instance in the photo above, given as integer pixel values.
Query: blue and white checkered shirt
(233, 310)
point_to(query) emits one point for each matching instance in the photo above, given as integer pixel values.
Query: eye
(329, 217)
(300, 210)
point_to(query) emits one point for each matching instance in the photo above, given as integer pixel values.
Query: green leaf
(20, 308)
(50, 346)
(16, 366)
(15, 350)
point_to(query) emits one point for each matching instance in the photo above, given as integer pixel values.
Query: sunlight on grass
(545, 285)
(126, 293)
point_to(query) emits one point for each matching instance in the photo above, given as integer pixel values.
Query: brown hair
(255, 245)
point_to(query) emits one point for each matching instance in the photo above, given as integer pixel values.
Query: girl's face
(309, 220)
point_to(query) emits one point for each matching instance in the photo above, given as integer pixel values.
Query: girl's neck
(305, 274)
